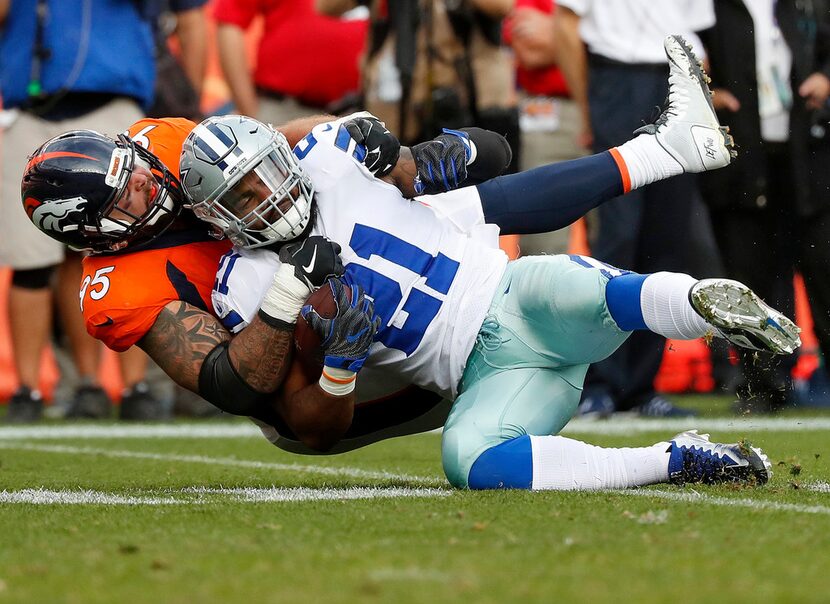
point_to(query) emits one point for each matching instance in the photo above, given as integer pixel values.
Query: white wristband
(286, 296)
(337, 382)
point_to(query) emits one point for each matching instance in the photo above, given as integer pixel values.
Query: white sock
(647, 161)
(563, 464)
(664, 301)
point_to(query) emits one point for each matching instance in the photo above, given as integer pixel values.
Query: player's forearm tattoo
(262, 355)
(183, 336)
(180, 339)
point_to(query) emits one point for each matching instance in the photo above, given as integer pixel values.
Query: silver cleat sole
(743, 318)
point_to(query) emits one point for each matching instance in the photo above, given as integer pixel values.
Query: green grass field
(210, 512)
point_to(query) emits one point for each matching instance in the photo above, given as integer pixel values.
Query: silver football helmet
(242, 176)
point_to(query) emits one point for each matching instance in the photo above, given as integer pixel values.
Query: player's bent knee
(505, 466)
(508, 465)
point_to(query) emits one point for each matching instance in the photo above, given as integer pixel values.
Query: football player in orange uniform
(148, 278)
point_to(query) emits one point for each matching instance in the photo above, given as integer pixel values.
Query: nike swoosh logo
(355, 336)
(106, 323)
(310, 266)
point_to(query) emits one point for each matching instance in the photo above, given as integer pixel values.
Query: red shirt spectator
(543, 81)
(302, 54)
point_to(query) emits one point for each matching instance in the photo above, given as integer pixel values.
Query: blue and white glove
(382, 148)
(345, 338)
(442, 162)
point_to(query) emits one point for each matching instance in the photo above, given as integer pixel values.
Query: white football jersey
(431, 265)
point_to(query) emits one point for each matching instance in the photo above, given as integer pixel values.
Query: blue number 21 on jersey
(419, 306)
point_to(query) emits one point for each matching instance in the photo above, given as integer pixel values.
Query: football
(306, 340)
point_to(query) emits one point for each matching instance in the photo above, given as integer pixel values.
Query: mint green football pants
(548, 321)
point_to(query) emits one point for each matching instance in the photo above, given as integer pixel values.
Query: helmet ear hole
(242, 176)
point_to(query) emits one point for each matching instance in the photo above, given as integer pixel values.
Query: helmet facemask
(261, 196)
(116, 220)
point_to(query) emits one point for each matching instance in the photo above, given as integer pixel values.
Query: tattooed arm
(183, 336)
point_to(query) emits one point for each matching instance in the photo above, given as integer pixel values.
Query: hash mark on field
(755, 504)
(229, 461)
(197, 495)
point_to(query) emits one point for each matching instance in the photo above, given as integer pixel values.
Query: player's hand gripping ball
(347, 336)
(306, 341)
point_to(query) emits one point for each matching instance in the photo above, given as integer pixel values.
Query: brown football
(306, 340)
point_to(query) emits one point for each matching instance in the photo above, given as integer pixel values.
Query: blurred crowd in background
(558, 79)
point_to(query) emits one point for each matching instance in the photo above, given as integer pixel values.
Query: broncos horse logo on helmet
(73, 184)
(56, 215)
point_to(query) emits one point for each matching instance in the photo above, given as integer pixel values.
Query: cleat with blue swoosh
(740, 316)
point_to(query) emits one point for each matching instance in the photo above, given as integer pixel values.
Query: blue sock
(622, 294)
(508, 465)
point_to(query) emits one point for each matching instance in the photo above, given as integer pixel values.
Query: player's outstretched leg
(687, 137)
(559, 463)
(741, 317)
(678, 306)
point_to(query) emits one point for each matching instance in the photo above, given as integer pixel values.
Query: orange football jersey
(123, 294)
(163, 138)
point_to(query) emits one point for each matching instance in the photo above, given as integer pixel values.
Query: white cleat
(695, 459)
(688, 129)
(740, 316)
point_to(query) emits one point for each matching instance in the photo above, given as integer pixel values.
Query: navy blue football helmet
(73, 182)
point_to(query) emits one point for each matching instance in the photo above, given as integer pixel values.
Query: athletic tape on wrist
(286, 296)
(337, 382)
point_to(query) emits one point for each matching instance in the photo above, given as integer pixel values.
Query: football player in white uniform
(508, 342)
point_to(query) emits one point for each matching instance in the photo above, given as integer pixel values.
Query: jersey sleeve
(241, 282)
(122, 295)
(329, 153)
(113, 312)
(462, 207)
(121, 328)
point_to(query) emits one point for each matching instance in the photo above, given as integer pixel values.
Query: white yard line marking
(275, 494)
(81, 497)
(219, 430)
(227, 461)
(819, 487)
(755, 504)
(200, 495)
